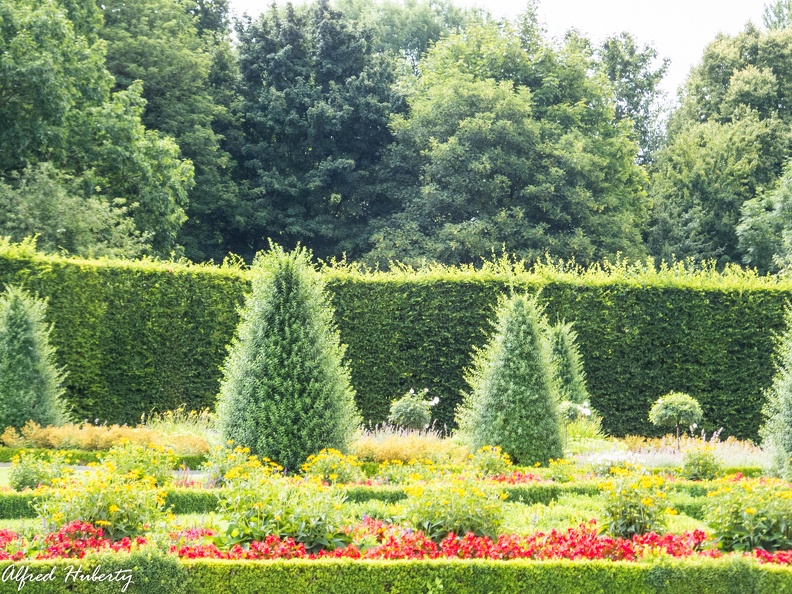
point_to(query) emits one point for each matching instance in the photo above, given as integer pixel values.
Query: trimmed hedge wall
(156, 573)
(143, 336)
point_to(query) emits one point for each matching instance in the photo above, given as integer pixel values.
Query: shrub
(135, 460)
(332, 467)
(568, 374)
(634, 504)
(411, 411)
(674, 410)
(751, 514)
(255, 507)
(29, 470)
(285, 393)
(30, 383)
(490, 461)
(776, 432)
(511, 400)
(121, 504)
(454, 506)
(700, 465)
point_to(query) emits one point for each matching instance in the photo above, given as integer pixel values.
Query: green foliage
(46, 203)
(701, 465)
(411, 411)
(495, 133)
(634, 505)
(30, 382)
(256, 507)
(29, 470)
(511, 402)
(285, 393)
(751, 515)
(569, 376)
(674, 410)
(62, 111)
(453, 506)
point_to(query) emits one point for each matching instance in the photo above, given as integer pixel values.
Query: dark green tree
(285, 392)
(173, 46)
(316, 104)
(56, 106)
(511, 402)
(30, 382)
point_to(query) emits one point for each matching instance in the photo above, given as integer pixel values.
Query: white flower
(434, 401)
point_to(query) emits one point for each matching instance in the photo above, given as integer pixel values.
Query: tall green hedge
(137, 336)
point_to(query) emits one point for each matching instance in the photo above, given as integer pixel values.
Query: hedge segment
(285, 392)
(777, 429)
(142, 336)
(153, 573)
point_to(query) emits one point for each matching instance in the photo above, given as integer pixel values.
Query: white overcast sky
(679, 29)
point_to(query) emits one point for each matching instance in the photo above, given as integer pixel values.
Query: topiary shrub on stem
(511, 402)
(285, 392)
(776, 432)
(674, 410)
(569, 377)
(30, 382)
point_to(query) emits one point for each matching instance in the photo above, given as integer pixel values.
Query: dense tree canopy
(510, 144)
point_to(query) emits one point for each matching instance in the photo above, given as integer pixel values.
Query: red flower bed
(516, 478)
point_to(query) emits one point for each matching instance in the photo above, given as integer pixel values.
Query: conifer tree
(511, 402)
(285, 392)
(569, 377)
(30, 382)
(776, 432)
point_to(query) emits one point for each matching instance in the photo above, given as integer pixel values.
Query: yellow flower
(647, 501)
(113, 509)
(750, 511)
(333, 476)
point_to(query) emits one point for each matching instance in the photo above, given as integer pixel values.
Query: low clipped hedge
(153, 573)
(192, 461)
(143, 336)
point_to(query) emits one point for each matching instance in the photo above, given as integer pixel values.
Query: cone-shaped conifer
(511, 401)
(285, 392)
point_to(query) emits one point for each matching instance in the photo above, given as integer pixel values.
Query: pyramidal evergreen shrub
(30, 382)
(569, 376)
(511, 401)
(285, 392)
(776, 432)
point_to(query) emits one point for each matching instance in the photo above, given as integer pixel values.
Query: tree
(674, 410)
(285, 392)
(511, 401)
(777, 14)
(45, 203)
(765, 228)
(636, 82)
(569, 376)
(776, 432)
(508, 145)
(56, 106)
(30, 383)
(172, 47)
(316, 103)
(703, 178)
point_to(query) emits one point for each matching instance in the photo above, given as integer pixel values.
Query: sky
(678, 29)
